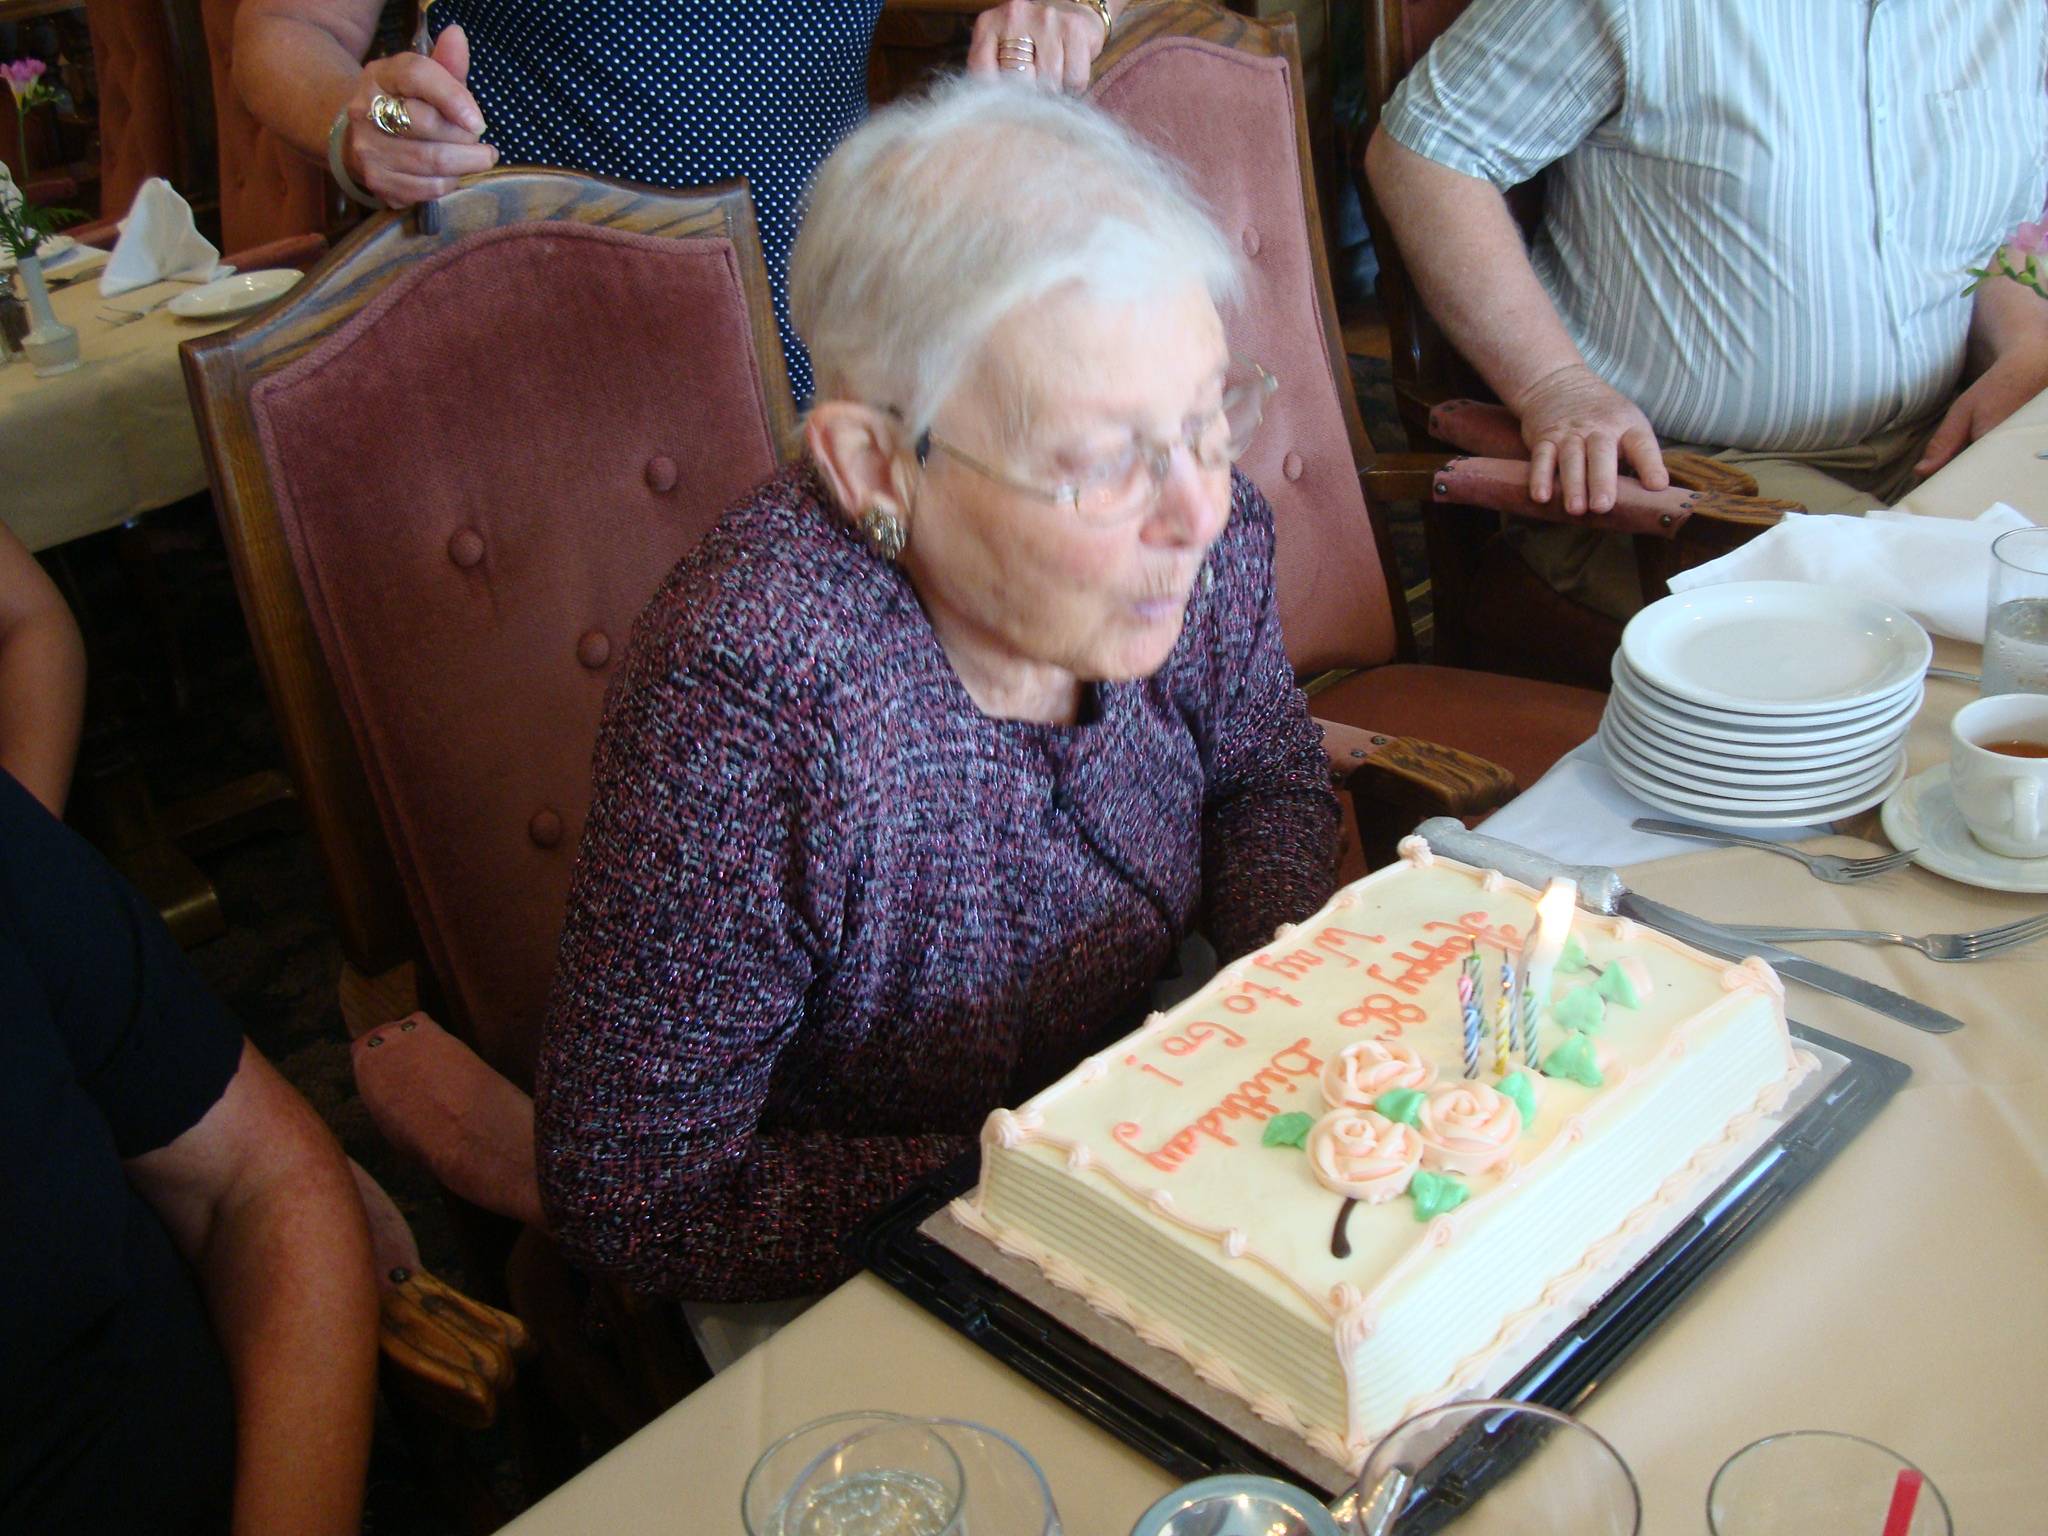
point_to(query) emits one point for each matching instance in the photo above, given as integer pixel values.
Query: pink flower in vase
(2029, 239)
(22, 75)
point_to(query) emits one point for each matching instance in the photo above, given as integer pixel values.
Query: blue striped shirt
(1759, 212)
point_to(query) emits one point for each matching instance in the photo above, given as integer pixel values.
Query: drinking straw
(1905, 1494)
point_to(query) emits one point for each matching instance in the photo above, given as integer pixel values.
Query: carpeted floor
(277, 964)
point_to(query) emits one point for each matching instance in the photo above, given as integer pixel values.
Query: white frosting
(1186, 1225)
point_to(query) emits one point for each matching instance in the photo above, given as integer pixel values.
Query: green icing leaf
(1575, 1061)
(1573, 955)
(1402, 1104)
(1287, 1130)
(1435, 1193)
(1615, 985)
(1516, 1085)
(1580, 1008)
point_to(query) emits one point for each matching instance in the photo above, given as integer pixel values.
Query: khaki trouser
(1598, 570)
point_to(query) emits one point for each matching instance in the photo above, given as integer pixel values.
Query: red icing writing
(1146, 1066)
(1480, 929)
(1424, 961)
(1384, 1010)
(1242, 1000)
(1251, 1100)
(1332, 940)
(1187, 1043)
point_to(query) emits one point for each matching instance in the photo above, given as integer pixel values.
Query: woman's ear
(855, 448)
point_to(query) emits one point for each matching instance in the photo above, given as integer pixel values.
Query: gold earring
(884, 531)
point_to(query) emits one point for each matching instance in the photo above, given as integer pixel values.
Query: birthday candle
(1503, 1016)
(1529, 1007)
(1468, 1007)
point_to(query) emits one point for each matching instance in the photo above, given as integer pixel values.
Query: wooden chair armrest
(1396, 781)
(447, 1351)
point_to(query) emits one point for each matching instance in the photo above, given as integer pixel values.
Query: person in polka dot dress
(673, 93)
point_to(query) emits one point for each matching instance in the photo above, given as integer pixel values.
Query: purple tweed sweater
(828, 914)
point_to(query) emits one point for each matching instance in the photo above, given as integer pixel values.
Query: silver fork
(1831, 867)
(1936, 946)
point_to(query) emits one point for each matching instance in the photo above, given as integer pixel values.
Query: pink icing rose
(1467, 1128)
(1357, 1075)
(1363, 1155)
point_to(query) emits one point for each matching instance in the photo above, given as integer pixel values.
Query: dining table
(112, 438)
(1898, 1296)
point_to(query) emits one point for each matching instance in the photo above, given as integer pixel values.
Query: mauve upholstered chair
(1221, 94)
(451, 470)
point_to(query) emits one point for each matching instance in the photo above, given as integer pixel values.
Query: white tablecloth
(112, 438)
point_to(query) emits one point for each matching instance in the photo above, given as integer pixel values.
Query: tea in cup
(1998, 772)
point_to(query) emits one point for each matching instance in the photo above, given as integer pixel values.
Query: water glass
(2016, 623)
(855, 1474)
(1815, 1481)
(1494, 1468)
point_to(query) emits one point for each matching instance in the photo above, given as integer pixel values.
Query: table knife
(1601, 890)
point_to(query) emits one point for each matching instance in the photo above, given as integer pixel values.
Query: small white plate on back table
(234, 295)
(1776, 647)
(1922, 815)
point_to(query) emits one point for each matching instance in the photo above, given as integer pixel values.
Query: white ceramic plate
(1745, 756)
(1921, 814)
(1749, 814)
(1776, 647)
(48, 246)
(1748, 723)
(1743, 791)
(1737, 797)
(1780, 731)
(1739, 777)
(234, 295)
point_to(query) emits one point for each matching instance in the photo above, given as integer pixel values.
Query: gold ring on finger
(1016, 53)
(390, 115)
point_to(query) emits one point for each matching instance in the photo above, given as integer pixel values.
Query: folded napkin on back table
(1936, 568)
(158, 242)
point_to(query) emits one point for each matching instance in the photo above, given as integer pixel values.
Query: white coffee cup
(2002, 795)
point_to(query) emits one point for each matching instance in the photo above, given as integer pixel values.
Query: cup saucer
(1921, 814)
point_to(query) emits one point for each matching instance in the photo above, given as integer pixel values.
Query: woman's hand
(441, 146)
(1068, 36)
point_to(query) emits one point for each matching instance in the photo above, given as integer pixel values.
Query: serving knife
(1601, 890)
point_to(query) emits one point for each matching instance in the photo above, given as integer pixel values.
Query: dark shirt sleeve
(1269, 819)
(148, 1044)
(700, 915)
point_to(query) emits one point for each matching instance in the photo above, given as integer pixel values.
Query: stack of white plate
(1764, 703)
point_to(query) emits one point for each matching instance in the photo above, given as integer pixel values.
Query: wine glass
(1816, 1480)
(1494, 1468)
(855, 1474)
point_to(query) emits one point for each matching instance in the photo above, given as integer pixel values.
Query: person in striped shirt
(1757, 221)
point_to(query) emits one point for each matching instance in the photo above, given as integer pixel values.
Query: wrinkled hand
(1577, 429)
(1068, 36)
(446, 125)
(2000, 390)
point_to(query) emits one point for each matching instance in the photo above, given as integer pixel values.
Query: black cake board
(1153, 1401)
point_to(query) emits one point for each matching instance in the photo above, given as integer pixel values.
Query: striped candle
(1503, 1017)
(1530, 1005)
(1468, 1007)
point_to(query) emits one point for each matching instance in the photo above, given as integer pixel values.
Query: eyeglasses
(1126, 485)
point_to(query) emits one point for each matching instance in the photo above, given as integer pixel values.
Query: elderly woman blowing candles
(922, 765)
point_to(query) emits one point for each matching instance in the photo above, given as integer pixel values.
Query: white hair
(944, 213)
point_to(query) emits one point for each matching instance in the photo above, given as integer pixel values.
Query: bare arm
(299, 62)
(42, 677)
(2009, 344)
(259, 1199)
(1465, 254)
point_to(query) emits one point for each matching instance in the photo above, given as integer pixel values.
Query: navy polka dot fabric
(677, 93)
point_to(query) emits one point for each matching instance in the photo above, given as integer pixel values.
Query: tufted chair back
(1222, 95)
(267, 191)
(148, 126)
(452, 469)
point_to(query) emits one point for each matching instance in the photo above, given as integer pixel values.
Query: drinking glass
(1494, 1468)
(2016, 623)
(1815, 1481)
(855, 1474)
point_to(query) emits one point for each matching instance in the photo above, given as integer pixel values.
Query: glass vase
(51, 345)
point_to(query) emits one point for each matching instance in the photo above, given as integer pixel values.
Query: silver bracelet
(339, 171)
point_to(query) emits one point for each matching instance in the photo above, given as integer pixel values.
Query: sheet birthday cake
(1361, 1162)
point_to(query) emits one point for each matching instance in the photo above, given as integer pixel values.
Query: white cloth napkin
(158, 242)
(1936, 568)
